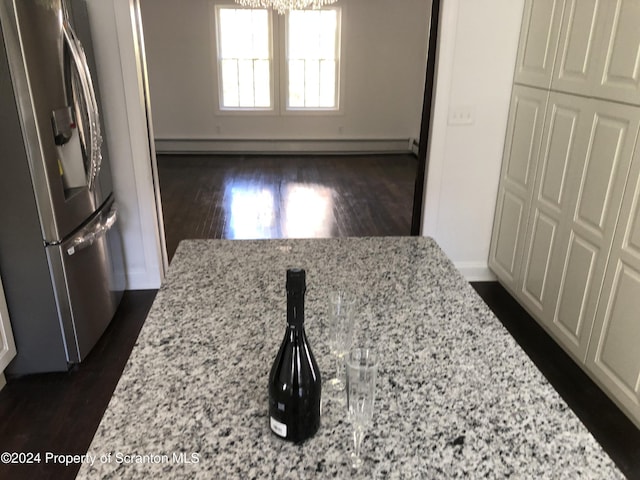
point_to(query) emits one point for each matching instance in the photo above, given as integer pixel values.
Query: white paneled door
(619, 65)
(599, 50)
(614, 352)
(524, 128)
(566, 237)
(585, 158)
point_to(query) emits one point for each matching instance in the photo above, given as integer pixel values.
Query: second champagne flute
(362, 368)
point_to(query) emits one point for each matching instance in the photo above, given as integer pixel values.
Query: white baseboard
(391, 145)
(476, 271)
(142, 280)
(414, 146)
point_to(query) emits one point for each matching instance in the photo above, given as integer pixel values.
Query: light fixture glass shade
(282, 6)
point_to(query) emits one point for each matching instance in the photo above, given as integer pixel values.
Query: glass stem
(338, 365)
(358, 436)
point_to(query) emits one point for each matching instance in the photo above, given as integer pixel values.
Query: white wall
(384, 61)
(126, 136)
(478, 45)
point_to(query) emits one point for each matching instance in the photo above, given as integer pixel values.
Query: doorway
(278, 192)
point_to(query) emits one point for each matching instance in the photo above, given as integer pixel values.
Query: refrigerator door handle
(91, 104)
(92, 232)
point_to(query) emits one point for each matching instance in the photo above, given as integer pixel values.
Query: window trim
(278, 75)
(217, 65)
(285, 108)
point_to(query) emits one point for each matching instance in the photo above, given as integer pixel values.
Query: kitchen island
(456, 396)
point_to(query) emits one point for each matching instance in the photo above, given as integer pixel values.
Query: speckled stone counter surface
(457, 397)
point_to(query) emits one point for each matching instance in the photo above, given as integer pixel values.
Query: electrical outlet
(465, 115)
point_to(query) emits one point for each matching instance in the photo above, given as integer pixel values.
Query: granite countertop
(456, 397)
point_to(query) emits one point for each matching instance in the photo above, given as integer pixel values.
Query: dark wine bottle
(294, 381)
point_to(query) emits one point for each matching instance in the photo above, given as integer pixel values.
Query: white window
(308, 57)
(313, 41)
(244, 58)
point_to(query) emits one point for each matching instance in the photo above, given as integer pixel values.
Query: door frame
(425, 126)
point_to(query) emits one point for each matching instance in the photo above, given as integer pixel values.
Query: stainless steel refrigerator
(60, 249)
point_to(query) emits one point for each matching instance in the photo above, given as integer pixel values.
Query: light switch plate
(462, 115)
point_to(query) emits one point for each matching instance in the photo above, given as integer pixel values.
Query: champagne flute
(362, 367)
(341, 328)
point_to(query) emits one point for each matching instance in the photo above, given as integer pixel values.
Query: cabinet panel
(580, 38)
(598, 52)
(522, 145)
(538, 42)
(614, 356)
(575, 285)
(563, 122)
(611, 142)
(633, 242)
(620, 79)
(538, 261)
(508, 231)
(621, 330)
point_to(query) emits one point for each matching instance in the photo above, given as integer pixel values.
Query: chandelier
(281, 6)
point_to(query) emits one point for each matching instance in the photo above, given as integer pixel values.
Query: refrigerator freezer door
(88, 289)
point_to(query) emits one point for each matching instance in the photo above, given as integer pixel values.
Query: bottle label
(278, 428)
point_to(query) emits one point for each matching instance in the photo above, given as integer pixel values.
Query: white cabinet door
(7, 345)
(614, 350)
(522, 144)
(566, 234)
(599, 50)
(564, 144)
(538, 42)
(581, 39)
(584, 162)
(619, 69)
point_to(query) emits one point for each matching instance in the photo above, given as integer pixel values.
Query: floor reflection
(251, 212)
(307, 211)
(287, 210)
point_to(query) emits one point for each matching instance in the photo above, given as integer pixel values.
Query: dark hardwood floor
(268, 196)
(60, 412)
(363, 196)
